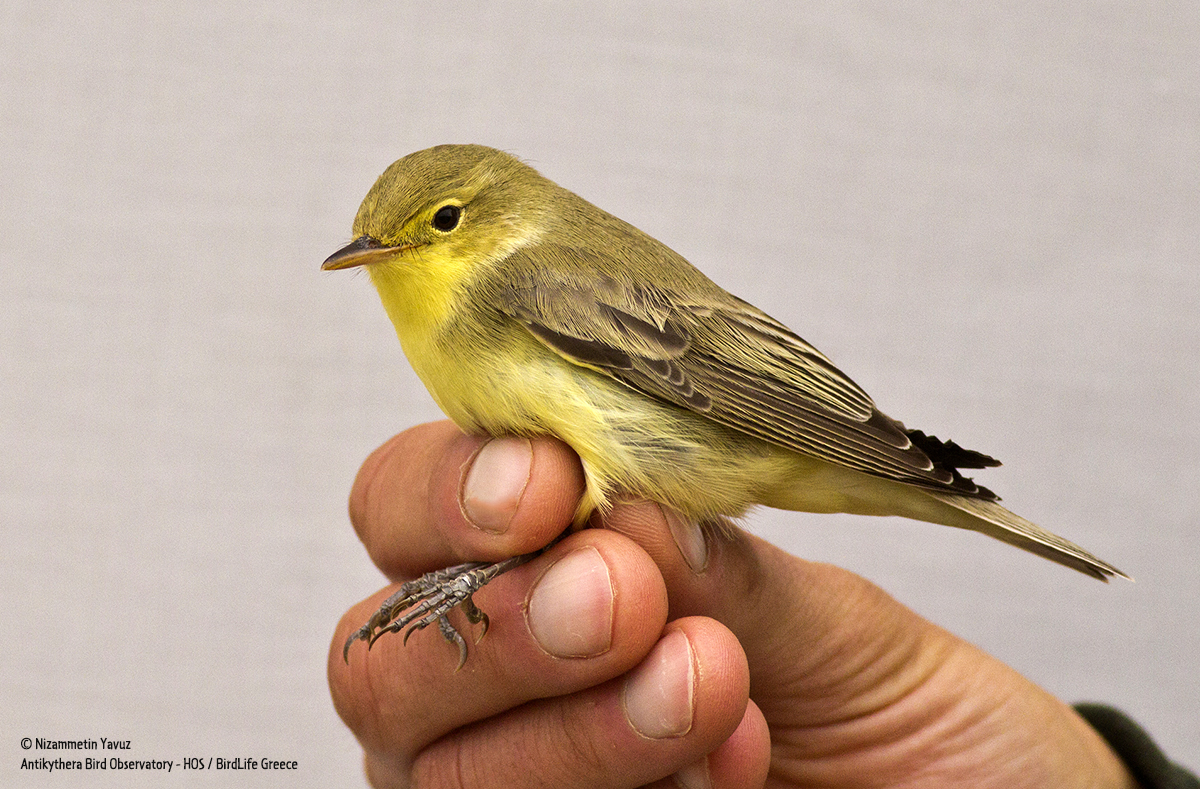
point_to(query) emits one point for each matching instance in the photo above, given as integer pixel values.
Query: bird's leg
(428, 599)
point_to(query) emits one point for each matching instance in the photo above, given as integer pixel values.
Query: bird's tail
(991, 519)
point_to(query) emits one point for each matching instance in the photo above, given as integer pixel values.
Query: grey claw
(361, 634)
(451, 634)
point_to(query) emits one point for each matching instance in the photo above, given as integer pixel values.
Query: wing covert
(730, 362)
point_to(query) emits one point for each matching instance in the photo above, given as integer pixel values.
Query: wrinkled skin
(801, 674)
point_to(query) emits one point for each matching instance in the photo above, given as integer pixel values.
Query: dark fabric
(1148, 764)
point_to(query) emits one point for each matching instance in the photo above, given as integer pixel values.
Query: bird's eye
(446, 218)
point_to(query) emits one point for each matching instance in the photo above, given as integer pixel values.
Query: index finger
(433, 496)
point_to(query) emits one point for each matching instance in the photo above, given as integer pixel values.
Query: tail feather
(991, 519)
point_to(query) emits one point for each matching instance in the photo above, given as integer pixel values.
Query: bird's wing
(730, 362)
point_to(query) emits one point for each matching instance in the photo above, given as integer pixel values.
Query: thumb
(807, 628)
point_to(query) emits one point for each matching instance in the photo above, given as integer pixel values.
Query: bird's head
(445, 211)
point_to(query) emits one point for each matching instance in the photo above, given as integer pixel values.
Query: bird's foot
(428, 599)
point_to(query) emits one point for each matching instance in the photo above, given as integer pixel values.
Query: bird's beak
(362, 251)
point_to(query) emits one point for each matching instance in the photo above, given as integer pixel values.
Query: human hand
(628, 654)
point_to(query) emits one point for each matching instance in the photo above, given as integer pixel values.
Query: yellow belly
(630, 444)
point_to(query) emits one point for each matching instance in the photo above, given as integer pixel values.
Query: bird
(527, 310)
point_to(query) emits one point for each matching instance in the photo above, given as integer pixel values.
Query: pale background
(988, 214)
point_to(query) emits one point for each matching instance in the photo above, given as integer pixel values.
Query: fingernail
(694, 776)
(570, 610)
(689, 538)
(658, 695)
(493, 485)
